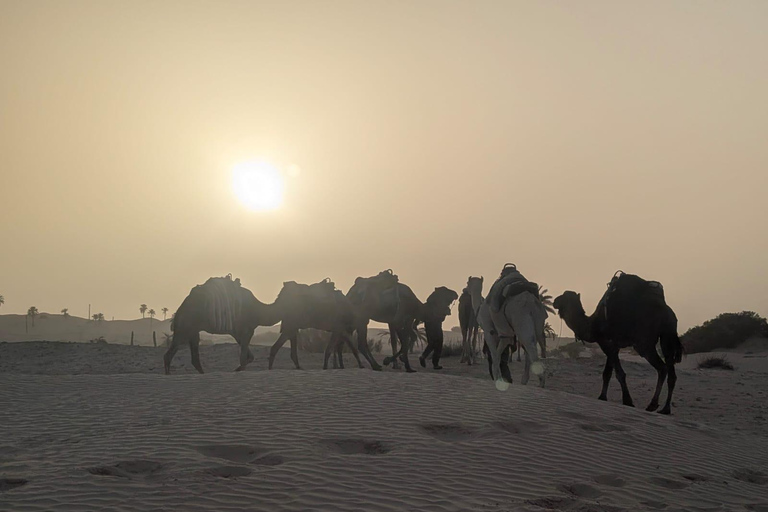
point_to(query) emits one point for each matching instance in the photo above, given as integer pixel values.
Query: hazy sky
(437, 138)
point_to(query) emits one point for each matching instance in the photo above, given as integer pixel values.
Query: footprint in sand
(449, 432)
(239, 453)
(668, 483)
(356, 447)
(229, 471)
(6, 484)
(582, 490)
(695, 477)
(751, 476)
(520, 427)
(610, 480)
(128, 469)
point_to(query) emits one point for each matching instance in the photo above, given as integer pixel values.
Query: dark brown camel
(384, 299)
(437, 307)
(220, 306)
(469, 328)
(371, 296)
(632, 313)
(317, 306)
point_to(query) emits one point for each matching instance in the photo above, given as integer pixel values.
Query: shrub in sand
(570, 350)
(718, 362)
(728, 330)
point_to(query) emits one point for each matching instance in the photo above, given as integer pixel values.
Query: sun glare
(258, 185)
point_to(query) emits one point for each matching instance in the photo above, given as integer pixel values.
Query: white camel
(520, 316)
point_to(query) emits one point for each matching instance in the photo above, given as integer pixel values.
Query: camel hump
(223, 302)
(627, 290)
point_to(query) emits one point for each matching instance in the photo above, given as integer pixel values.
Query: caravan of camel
(632, 313)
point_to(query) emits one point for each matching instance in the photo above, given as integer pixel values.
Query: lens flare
(258, 185)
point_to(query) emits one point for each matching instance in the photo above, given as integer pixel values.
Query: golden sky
(437, 138)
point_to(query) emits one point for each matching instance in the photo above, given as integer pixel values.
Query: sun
(258, 185)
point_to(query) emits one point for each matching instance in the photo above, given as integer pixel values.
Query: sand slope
(354, 440)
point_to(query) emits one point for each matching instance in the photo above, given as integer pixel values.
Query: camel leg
(626, 399)
(295, 349)
(194, 349)
(355, 353)
(656, 361)
(362, 346)
(669, 356)
(517, 347)
(407, 339)
(172, 349)
(330, 348)
(473, 350)
(464, 345)
(339, 355)
(276, 348)
(393, 343)
(607, 374)
(526, 366)
(505, 357)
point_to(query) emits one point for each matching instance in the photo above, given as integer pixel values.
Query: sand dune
(360, 440)
(354, 440)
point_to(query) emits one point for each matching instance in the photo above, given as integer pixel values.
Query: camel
(384, 299)
(373, 298)
(318, 306)
(437, 307)
(513, 313)
(219, 306)
(469, 326)
(632, 313)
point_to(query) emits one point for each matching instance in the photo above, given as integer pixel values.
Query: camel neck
(581, 325)
(267, 314)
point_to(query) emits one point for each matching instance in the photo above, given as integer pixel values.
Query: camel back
(626, 292)
(509, 284)
(383, 286)
(220, 299)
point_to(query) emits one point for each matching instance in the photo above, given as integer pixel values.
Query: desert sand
(98, 427)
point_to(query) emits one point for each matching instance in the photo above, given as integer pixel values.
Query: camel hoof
(423, 362)
(387, 361)
(630, 404)
(410, 370)
(666, 410)
(603, 398)
(652, 407)
(376, 368)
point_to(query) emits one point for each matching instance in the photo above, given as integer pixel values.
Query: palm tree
(167, 339)
(151, 313)
(165, 312)
(32, 313)
(100, 317)
(95, 317)
(2, 300)
(143, 309)
(65, 312)
(546, 300)
(549, 332)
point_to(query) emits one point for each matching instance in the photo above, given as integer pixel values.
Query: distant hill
(55, 327)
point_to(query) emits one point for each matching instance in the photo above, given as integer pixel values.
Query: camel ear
(481, 279)
(578, 295)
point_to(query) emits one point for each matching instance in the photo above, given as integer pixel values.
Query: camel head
(475, 284)
(568, 304)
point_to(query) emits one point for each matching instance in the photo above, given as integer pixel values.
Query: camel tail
(672, 347)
